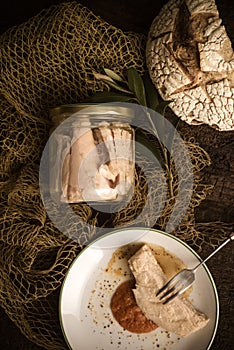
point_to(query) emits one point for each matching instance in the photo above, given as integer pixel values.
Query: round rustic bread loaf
(191, 62)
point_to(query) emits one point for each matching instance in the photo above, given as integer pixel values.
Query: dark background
(137, 16)
(130, 15)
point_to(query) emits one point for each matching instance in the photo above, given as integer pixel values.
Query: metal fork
(183, 279)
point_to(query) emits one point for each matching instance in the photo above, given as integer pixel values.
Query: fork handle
(215, 251)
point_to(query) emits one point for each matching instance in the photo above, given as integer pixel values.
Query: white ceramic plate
(85, 315)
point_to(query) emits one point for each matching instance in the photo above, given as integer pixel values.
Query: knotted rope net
(46, 62)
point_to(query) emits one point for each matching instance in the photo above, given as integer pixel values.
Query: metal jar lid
(60, 113)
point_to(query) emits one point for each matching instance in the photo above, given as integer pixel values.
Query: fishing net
(50, 60)
(46, 62)
(186, 230)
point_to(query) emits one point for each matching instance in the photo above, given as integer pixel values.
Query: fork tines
(170, 290)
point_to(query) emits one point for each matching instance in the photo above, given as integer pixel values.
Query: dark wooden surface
(137, 16)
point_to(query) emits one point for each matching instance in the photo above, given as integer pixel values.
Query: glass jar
(92, 156)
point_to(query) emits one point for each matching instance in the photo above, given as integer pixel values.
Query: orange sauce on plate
(126, 311)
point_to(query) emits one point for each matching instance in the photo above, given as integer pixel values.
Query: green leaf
(102, 77)
(118, 87)
(161, 108)
(136, 85)
(107, 96)
(152, 97)
(113, 75)
(142, 138)
(109, 81)
(171, 135)
(158, 123)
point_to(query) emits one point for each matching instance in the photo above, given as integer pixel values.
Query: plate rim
(217, 311)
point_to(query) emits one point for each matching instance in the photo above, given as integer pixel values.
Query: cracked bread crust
(191, 62)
